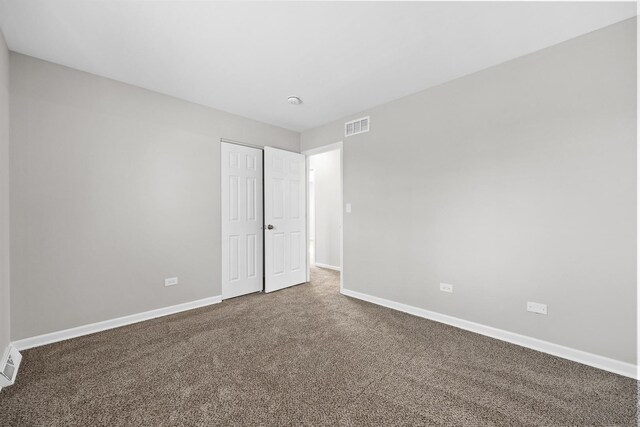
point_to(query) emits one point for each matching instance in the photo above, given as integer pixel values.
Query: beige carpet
(306, 356)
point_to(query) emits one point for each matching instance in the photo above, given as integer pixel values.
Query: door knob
(270, 227)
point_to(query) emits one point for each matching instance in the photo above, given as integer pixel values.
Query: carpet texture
(306, 356)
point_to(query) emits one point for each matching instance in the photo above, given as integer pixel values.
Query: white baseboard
(327, 266)
(66, 334)
(600, 362)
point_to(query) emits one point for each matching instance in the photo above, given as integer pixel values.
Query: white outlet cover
(536, 307)
(445, 287)
(348, 208)
(171, 281)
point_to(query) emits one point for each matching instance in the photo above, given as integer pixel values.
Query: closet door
(285, 219)
(242, 234)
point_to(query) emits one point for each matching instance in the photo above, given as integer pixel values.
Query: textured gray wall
(326, 168)
(514, 184)
(114, 188)
(4, 196)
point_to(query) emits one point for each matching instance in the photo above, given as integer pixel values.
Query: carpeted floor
(306, 356)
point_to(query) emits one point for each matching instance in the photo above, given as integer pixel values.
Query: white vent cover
(9, 366)
(355, 127)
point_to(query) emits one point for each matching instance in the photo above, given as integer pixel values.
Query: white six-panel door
(285, 219)
(242, 234)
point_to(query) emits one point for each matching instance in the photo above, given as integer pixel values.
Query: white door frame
(308, 153)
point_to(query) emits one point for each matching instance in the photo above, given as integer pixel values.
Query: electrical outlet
(348, 207)
(445, 287)
(536, 307)
(171, 281)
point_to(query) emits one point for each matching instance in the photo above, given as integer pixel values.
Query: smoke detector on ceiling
(294, 100)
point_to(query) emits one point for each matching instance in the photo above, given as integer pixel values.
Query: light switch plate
(171, 281)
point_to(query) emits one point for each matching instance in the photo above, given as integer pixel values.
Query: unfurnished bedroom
(318, 213)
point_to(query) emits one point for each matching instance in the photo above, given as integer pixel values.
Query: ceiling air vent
(355, 127)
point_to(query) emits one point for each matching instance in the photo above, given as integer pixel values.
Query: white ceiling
(247, 58)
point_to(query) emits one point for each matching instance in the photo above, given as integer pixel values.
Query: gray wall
(114, 188)
(326, 167)
(4, 196)
(514, 184)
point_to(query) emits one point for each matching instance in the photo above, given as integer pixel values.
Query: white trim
(323, 149)
(600, 362)
(638, 206)
(244, 144)
(330, 267)
(79, 331)
(342, 214)
(319, 150)
(307, 177)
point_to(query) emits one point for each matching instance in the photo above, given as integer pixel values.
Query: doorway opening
(324, 189)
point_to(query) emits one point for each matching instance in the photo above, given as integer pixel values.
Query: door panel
(242, 234)
(284, 210)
